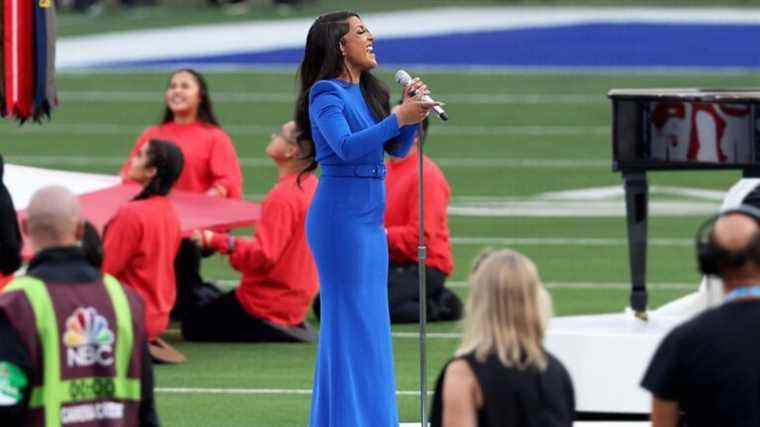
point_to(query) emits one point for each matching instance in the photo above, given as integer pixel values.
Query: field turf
(512, 136)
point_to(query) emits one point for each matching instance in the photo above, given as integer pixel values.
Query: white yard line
(595, 286)
(572, 241)
(255, 391)
(592, 286)
(544, 208)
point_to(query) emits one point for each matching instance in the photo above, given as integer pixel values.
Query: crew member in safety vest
(73, 345)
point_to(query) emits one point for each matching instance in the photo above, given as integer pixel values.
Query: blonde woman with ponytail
(501, 374)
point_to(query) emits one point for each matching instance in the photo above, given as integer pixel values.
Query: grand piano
(653, 130)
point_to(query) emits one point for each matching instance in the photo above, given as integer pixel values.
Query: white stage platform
(606, 356)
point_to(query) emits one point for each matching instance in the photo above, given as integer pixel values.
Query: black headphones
(712, 258)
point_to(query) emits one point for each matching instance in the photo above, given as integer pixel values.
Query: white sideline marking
(599, 286)
(67, 160)
(547, 208)
(289, 98)
(275, 391)
(593, 286)
(617, 191)
(307, 392)
(550, 241)
(117, 129)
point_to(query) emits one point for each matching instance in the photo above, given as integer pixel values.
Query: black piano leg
(636, 204)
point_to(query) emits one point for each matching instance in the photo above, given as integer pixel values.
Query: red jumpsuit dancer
(279, 276)
(142, 239)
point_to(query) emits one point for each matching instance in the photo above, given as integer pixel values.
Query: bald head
(733, 232)
(53, 218)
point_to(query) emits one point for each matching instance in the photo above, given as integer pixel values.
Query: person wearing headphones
(706, 371)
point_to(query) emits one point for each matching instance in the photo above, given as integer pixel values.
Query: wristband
(230, 243)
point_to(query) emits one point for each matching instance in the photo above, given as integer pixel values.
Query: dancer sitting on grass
(279, 277)
(402, 221)
(142, 239)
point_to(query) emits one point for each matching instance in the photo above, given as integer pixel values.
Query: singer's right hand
(412, 110)
(417, 88)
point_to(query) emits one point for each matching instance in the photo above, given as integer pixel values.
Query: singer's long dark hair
(322, 60)
(168, 161)
(205, 108)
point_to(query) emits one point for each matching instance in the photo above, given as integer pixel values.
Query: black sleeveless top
(516, 398)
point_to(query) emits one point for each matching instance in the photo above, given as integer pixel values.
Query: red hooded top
(402, 219)
(279, 275)
(139, 246)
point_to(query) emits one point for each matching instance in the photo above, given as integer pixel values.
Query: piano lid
(734, 95)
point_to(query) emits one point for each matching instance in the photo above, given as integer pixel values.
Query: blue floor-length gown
(354, 381)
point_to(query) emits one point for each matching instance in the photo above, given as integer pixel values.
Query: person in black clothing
(55, 230)
(706, 372)
(502, 375)
(10, 235)
(92, 245)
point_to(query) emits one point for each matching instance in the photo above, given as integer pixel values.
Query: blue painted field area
(589, 45)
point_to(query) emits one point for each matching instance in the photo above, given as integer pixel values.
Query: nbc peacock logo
(88, 339)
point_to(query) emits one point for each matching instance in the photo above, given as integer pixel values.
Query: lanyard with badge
(743, 292)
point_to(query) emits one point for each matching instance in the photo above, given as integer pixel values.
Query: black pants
(225, 320)
(192, 291)
(404, 299)
(404, 295)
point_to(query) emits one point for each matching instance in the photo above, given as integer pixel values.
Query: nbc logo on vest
(88, 339)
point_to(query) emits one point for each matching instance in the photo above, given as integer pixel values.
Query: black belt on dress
(376, 171)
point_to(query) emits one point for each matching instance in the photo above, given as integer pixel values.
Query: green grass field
(102, 113)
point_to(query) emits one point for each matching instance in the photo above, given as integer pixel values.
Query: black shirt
(514, 397)
(710, 365)
(64, 266)
(10, 235)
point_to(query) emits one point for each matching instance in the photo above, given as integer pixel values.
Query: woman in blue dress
(345, 110)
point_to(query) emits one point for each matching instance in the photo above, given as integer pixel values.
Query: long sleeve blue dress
(354, 381)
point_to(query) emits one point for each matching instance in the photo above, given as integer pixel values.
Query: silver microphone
(404, 79)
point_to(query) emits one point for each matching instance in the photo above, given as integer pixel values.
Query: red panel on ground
(195, 210)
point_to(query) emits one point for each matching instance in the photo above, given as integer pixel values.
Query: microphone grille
(403, 78)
